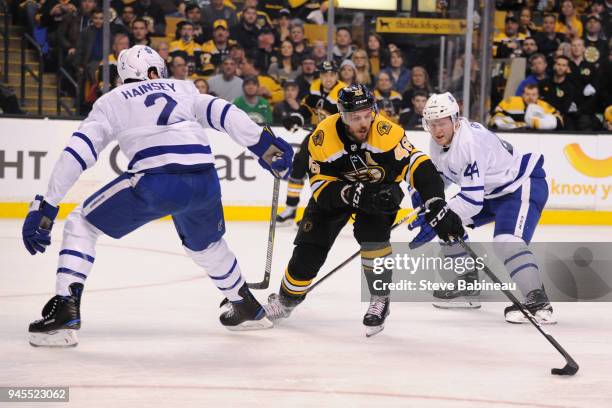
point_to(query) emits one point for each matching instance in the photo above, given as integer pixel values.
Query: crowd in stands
(256, 54)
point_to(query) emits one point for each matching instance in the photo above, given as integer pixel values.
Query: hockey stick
(271, 231)
(571, 367)
(350, 258)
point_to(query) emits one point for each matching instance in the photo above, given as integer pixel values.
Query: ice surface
(151, 335)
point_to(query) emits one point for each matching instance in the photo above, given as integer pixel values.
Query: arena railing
(27, 39)
(5, 38)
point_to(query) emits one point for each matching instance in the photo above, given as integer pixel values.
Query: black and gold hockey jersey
(386, 156)
(318, 104)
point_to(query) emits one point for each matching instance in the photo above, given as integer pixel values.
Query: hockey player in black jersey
(357, 158)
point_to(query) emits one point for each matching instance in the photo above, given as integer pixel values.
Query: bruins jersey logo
(383, 127)
(315, 168)
(592, 54)
(373, 174)
(586, 72)
(317, 138)
(560, 93)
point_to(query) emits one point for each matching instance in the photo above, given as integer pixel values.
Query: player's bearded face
(359, 124)
(441, 130)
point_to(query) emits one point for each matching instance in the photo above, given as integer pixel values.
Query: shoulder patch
(403, 149)
(383, 127)
(317, 138)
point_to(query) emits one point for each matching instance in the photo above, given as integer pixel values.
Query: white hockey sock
(221, 266)
(78, 252)
(455, 251)
(521, 264)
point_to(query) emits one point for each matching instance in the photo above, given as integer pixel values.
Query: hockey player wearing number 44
(357, 158)
(497, 184)
(158, 124)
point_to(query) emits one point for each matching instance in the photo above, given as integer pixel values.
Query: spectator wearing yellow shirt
(527, 110)
(568, 22)
(214, 50)
(186, 42)
(508, 44)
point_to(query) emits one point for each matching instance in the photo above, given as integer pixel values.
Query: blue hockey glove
(275, 154)
(426, 233)
(38, 224)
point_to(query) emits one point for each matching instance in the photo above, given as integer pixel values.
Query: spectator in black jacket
(413, 118)
(290, 104)
(559, 91)
(246, 32)
(309, 73)
(548, 40)
(147, 8)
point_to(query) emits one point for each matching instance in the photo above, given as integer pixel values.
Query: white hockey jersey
(483, 165)
(159, 127)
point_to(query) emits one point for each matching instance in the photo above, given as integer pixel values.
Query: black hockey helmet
(328, 66)
(354, 98)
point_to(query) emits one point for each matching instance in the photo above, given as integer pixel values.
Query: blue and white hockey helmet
(440, 106)
(135, 63)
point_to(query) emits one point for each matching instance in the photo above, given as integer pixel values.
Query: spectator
(400, 75)
(302, 9)
(413, 118)
(508, 44)
(8, 101)
(263, 20)
(149, 9)
(548, 39)
(265, 49)
(362, 66)
(214, 50)
(226, 85)
(128, 14)
(596, 45)
(238, 55)
(284, 24)
(344, 47)
(186, 42)
(89, 50)
(193, 13)
(527, 110)
(388, 101)
(267, 86)
(71, 27)
(300, 44)
(290, 105)
(245, 31)
(526, 24)
(286, 66)
(586, 81)
(559, 92)
(568, 22)
(273, 8)
(319, 51)
(163, 49)
(178, 67)
(120, 42)
(202, 86)
(529, 48)
(377, 53)
(217, 10)
(538, 67)
(140, 35)
(308, 68)
(348, 72)
(53, 15)
(258, 108)
(418, 83)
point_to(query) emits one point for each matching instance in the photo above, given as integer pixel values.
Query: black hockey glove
(373, 198)
(293, 122)
(443, 220)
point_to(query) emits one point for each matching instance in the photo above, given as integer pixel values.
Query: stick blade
(259, 285)
(569, 369)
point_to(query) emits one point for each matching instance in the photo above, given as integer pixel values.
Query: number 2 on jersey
(168, 108)
(470, 170)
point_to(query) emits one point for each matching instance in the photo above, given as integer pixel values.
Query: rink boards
(578, 167)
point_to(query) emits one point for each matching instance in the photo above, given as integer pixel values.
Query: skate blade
(515, 319)
(56, 338)
(263, 323)
(374, 330)
(286, 223)
(457, 304)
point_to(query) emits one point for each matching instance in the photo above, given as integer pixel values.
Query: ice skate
(278, 307)
(61, 318)
(456, 298)
(374, 319)
(538, 305)
(286, 218)
(245, 314)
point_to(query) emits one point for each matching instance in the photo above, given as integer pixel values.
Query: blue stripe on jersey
(233, 286)
(227, 275)
(178, 168)
(77, 254)
(475, 188)
(209, 113)
(524, 163)
(224, 113)
(469, 200)
(77, 157)
(89, 143)
(71, 272)
(175, 149)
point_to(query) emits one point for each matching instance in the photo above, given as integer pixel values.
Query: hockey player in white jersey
(497, 184)
(159, 126)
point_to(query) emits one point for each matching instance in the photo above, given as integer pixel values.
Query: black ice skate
(246, 314)
(279, 307)
(61, 319)
(286, 218)
(459, 298)
(538, 305)
(374, 319)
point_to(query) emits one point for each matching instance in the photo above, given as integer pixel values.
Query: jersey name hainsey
(483, 165)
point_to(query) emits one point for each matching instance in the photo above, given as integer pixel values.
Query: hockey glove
(293, 122)
(373, 198)
(38, 224)
(443, 220)
(275, 154)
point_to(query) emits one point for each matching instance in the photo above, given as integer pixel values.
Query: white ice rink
(151, 336)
